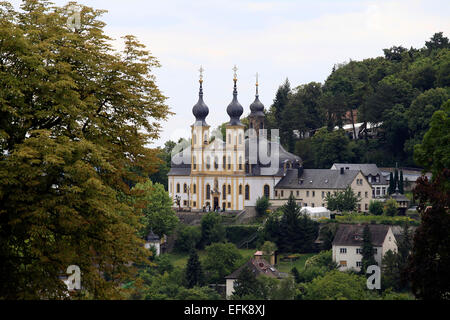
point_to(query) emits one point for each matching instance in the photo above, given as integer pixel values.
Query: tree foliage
(75, 118)
(341, 201)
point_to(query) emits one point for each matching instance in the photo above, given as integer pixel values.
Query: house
(347, 244)
(402, 201)
(372, 173)
(311, 186)
(152, 240)
(258, 266)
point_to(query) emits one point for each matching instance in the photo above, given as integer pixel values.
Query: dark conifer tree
(194, 271)
(368, 252)
(400, 183)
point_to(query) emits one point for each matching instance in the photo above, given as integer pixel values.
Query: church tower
(199, 131)
(256, 117)
(235, 142)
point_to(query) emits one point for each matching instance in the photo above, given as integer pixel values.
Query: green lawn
(299, 263)
(180, 259)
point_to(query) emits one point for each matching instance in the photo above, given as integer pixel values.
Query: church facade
(228, 173)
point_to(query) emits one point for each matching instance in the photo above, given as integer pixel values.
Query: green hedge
(359, 218)
(237, 234)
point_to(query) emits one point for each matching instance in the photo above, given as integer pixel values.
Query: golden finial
(235, 69)
(201, 73)
(257, 79)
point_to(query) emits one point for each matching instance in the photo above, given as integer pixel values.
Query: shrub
(390, 208)
(376, 208)
(262, 205)
(188, 238)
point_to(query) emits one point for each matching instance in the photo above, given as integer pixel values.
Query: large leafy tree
(221, 259)
(156, 205)
(430, 254)
(345, 200)
(75, 116)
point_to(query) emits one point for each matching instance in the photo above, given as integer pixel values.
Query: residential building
(348, 241)
(311, 186)
(372, 173)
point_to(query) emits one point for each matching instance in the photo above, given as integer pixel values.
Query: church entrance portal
(216, 203)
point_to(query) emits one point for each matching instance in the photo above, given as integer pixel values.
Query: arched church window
(240, 189)
(178, 188)
(194, 162)
(185, 188)
(208, 191)
(224, 164)
(229, 189)
(224, 192)
(208, 162)
(247, 192)
(240, 163)
(229, 163)
(216, 163)
(266, 191)
(195, 188)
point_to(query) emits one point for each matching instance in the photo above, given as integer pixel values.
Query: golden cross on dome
(201, 73)
(235, 69)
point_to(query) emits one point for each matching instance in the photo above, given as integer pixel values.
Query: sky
(299, 40)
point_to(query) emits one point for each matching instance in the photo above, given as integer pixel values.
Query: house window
(359, 207)
(366, 194)
(343, 250)
(323, 194)
(266, 191)
(208, 192)
(195, 204)
(313, 205)
(298, 193)
(359, 194)
(375, 250)
(282, 193)
(229, 204)
(178, 188)
(247, 192)
(185, 203)
(313, 193)
(343, 263)
(276, 193)
(307, 193)
(366, 206)
(358, 251)
(359, 263)
(305, 204)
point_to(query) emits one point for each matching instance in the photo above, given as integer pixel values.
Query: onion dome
(200, 109)
(257, 108)
(235, 109)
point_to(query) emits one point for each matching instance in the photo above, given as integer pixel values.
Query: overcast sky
(299, 40)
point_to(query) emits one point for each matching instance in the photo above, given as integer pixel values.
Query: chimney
(342, 170)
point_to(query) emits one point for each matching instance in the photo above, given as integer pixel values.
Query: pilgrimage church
(228, 173)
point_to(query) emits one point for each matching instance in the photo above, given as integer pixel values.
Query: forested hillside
(400, 91)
